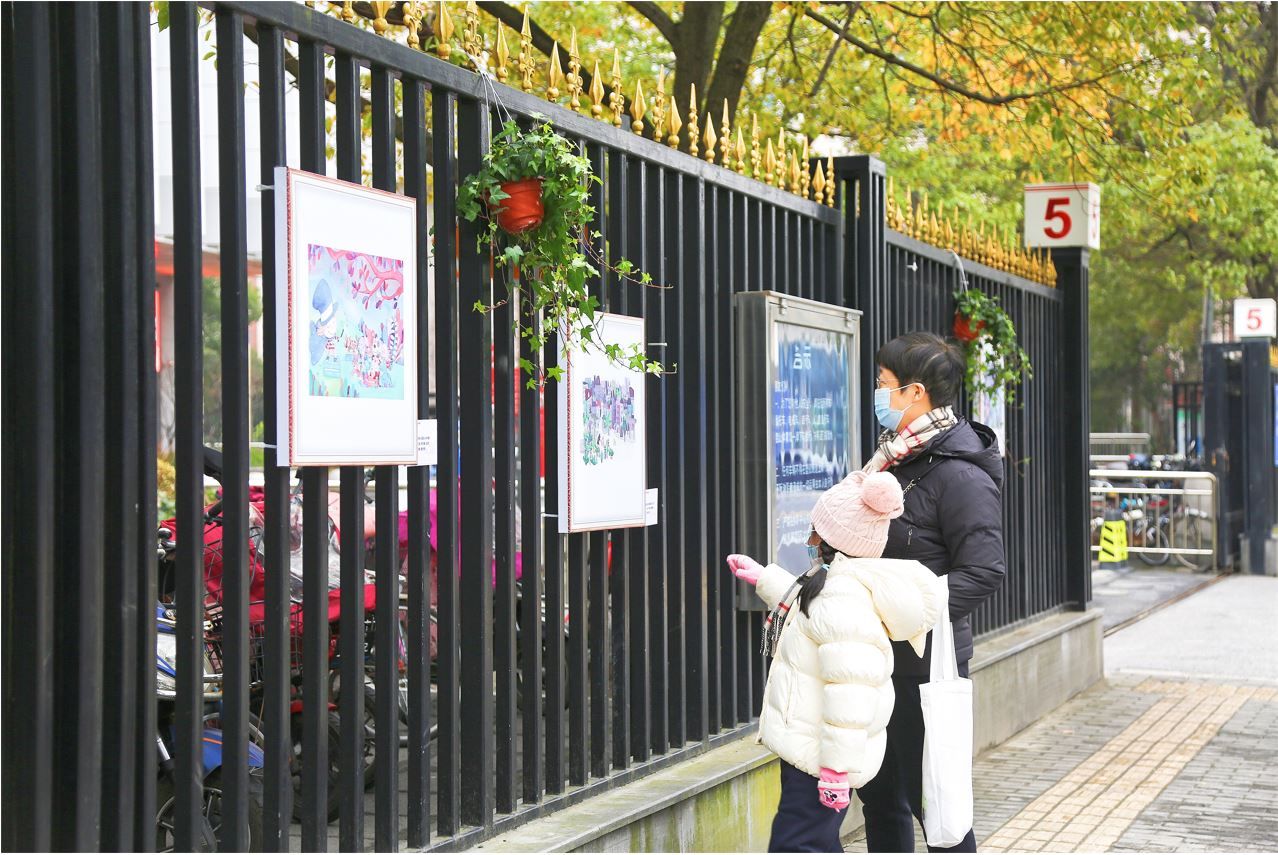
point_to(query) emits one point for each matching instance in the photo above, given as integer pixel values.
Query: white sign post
(1255, 318)
(1062, 215)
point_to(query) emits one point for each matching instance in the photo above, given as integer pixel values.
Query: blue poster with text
(811, 434)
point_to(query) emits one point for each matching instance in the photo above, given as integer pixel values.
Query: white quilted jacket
(829, 693)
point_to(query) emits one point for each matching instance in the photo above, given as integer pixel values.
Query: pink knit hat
(852, 516)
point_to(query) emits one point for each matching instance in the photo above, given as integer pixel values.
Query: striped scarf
(775, 621)
(895, 447)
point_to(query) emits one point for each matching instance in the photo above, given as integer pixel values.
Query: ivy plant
(553, 262)
(994, 358)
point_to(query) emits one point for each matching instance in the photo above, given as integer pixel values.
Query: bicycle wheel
(1192, 531)
(1155, 537)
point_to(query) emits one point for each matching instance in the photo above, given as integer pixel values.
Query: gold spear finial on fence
(890, 211)
(348, 12)
(805, 177)
(829, 180)
(525, 61)
(555, 75)
(1051, 272)
(379, 16)
(725, 139)
(693, 129)
(675, 123)
(756, 156)
(769, 164)
(616, 100)
(779, 176)
(596, 93)
(659, 106)
(818, 183)
(413, 23)
(709, 139)
(443, 32)
(574, 74)
(503, 54)
(796, 174)
(473, 40)
(637, 108)
(741, 152)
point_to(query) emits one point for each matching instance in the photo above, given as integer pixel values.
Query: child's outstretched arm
(770, 582)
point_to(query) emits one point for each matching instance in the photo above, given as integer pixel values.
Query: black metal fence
(615, 654)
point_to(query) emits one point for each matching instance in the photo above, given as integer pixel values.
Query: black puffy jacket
(953, 524)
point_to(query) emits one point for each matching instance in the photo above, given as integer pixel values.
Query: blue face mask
(814, 552)
(888, 417)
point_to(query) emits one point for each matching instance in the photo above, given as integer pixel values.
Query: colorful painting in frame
(346, 265)
(603, 468)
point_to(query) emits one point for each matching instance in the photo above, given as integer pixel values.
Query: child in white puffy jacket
(829, 693)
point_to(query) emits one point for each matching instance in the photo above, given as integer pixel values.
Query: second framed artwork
(346, 261)
(603, 470)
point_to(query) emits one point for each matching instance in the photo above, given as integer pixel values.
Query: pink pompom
(882, 493)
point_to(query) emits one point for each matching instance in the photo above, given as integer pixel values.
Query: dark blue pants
(802, 823)
(894, 799)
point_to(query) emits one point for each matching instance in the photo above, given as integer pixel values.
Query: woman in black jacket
(952, 474)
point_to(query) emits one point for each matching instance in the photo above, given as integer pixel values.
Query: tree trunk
(695, 38)
(735, 57)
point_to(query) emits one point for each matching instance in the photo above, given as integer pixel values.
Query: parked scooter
(210, 822)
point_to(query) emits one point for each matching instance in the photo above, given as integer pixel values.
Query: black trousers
(894, 799)
(802, 823)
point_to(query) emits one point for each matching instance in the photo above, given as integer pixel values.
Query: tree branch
(952, 86)
(834, 48)
(735, 55)
(658, 18)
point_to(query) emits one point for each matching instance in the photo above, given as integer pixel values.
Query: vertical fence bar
(578, 673)
(146, 763)
(277, 817)
(556, 770)
(235, 427)
(692, 373)
(124, 417)
(28, 423)
(314, 759)
(351, 629)
(474, 128)
(631, 728)
(386, 551)
(444, 131)
(658, 569)
(418, 582)
(531, 531)
(505, 430)
(716, 242)
(188, 404)
(677, 404)
(735, 656)
(78, 590)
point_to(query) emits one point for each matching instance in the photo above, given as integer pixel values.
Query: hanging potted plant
(533, 197)
(994, 358)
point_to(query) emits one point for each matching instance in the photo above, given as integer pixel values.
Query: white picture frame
(346, 285)
(603, 467)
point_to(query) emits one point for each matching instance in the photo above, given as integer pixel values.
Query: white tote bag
(947, 742)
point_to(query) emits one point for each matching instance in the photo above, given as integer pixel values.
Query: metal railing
(1162, 521)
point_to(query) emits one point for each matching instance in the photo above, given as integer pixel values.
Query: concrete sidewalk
(1174, 751)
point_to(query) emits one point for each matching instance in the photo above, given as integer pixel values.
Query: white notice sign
(650, 505)
(1255, 318)
(1062, 215)
(427, 442)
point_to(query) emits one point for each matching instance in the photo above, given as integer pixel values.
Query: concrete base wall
(724, 800)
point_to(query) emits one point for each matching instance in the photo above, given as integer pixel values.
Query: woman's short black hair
(920, 357)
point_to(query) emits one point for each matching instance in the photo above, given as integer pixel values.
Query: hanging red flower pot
(963, 329)
(522, 209)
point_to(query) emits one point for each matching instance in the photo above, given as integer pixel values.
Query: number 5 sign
(1255, 318)
(1062, 215)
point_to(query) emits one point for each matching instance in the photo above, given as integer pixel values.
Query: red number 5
(1055, 212)
(1254, 320)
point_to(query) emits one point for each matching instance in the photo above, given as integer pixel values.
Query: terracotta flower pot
(522, 210)
(963, 329)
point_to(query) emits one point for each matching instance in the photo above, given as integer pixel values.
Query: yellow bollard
(1113, 540)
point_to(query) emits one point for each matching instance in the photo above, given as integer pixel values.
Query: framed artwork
(346, 268)
(603, 470)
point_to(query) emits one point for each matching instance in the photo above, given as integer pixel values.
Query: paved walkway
(1177, 750)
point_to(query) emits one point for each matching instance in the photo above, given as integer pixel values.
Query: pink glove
(833, 789)
(745, 568)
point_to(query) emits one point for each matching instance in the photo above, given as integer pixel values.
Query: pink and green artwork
(608, 418)
(356, 324)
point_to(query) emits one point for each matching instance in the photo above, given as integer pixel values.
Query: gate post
(1072, 279)
(861, 189)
